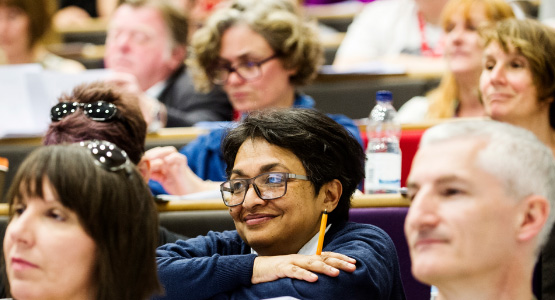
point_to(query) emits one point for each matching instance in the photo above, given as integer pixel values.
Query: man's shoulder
(181, 85)
(181, 79)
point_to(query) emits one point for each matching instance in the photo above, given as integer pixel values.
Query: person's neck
(21, 57)
(504, 284)
(469, 96)
(540, 126)
(288, 98)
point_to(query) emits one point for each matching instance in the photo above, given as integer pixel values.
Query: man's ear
(144, 168)
(178, 56)
(332, 192)
(535, 213)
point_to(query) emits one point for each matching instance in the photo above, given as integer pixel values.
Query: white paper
(27, 92)
(215, 194)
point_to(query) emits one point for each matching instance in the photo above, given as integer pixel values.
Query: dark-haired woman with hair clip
(82, 226)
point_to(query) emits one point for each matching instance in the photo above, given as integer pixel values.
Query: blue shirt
(220, 264)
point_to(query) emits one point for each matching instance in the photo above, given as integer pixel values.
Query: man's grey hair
(512, 154)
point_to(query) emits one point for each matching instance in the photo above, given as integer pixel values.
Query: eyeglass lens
(247, 71)
(268, 186)
(96, 111)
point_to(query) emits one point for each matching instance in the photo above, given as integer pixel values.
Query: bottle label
(383, 173)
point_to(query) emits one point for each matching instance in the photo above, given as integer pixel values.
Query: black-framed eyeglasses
(268, 186)
(108, 156)
(100, 111)
(249, 70)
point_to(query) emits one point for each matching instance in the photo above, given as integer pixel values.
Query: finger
(159, 152)
(176, 160)
(339, 264)
(339, 256)
(299, 273)
(316, 264)
(156, 165)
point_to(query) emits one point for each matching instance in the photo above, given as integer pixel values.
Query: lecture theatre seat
(392, 220)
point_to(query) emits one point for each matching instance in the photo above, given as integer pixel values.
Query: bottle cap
(384, 95)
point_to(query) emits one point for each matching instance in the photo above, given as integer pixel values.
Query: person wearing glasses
(259, 52)
(67, 237)
(146, 46)
(100, 111)
(285, 168)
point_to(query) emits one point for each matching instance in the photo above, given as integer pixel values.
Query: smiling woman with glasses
(82, 226)
(300, 164)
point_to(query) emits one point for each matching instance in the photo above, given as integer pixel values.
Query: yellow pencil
(323, 225)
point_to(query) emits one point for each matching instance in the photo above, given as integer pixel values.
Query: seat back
(392, 220)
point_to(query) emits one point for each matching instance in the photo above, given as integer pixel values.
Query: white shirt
(310, 247)
(386, 28)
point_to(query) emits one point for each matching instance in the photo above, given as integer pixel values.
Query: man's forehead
(447, 159)
(136, 17)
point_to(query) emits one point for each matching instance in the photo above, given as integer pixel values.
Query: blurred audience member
(146, 46)
(79, 12)
(407, 32)
(82, 226)
(481, 194)
(260, 52)
(518, 87)
(458, 94)
(198, 11)
(25, 27)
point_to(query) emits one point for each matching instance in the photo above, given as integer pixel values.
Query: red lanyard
(425, 49)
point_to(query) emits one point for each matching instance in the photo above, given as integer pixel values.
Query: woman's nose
(20, 229)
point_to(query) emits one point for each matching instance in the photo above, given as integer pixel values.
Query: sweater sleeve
(205, 266)
(377, 274)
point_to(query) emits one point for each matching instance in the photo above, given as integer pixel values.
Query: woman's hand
(302, 267)
(170, 169)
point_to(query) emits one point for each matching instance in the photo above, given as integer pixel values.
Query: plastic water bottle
(383, 154)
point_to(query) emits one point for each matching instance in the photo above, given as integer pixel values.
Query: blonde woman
(457, 94)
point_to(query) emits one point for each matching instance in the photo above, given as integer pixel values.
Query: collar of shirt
(310, 247)
(155, 90)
